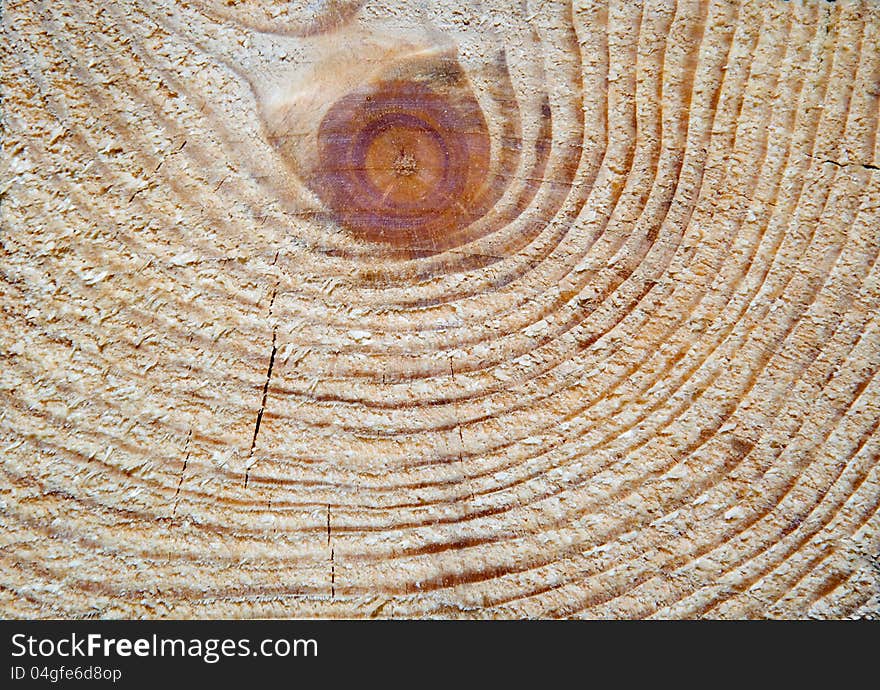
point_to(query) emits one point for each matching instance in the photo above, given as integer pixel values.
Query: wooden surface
(398, 309)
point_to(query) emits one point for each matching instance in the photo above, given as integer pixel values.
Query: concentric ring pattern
(583, 324)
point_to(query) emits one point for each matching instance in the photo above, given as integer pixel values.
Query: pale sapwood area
(451, 309)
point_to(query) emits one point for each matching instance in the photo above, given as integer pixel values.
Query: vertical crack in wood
(262, 409)
(328, 524)
(332, 558)
(262, 404)
(186, 453)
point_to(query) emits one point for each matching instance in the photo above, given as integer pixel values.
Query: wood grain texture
(631, 372)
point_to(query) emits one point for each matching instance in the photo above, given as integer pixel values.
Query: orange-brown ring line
(399, 163)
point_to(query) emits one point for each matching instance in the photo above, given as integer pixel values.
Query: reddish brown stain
(403, 163)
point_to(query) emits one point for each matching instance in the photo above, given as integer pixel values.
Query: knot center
(405, 164)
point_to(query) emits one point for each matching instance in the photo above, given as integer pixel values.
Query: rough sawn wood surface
(624, 363)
